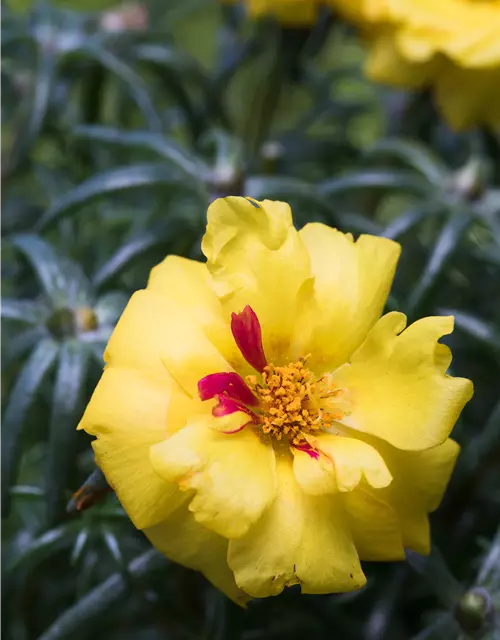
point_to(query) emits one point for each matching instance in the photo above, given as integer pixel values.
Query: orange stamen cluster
(291, 401)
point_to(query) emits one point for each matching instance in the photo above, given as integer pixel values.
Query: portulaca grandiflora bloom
(261, 422)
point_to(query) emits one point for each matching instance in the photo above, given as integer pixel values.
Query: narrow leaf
(390, 180)
(66, 406)
(414, 155)
(97, 602)
(162, 145)
(20, 400)
(103, 184)
(446, 245)
(475, 327)
(135, 85)
(62, 280)
(27, 311)
(408, 220)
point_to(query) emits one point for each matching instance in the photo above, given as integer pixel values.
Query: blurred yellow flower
(293, 13)
(452, 46)
(260, 421)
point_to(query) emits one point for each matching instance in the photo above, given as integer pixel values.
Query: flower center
(292, 403)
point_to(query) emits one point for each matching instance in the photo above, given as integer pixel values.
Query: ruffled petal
(256, 258)
(183, 540)
(129, 413)
(315, 474)
(397, 384)
(354, 460)
(300, 539)
(352, 282)
(388, 65)
(188, 284)
(374, 525)
(161, 340)
(468, 96)
(233, 477)
(420, 480)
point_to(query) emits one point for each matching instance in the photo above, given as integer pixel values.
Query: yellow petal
(129, 413)
(374, 526)
(158, 337)
(315, 475)
(352, 282)
(386, 63)
(256, 258)
(468, 96)
(300, 539)
(189, 285)
(185, 541)
(420, 480)
(397, 385)
(233, 476)
(288, 12)
(353, 460)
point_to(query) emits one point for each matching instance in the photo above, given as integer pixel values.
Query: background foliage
(118, 130)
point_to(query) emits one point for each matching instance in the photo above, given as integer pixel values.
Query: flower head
(451, 46)
(291, 13)
(260, 421)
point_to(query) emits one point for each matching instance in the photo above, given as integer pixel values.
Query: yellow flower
(293, 13)
(452, 46)
(261, 423)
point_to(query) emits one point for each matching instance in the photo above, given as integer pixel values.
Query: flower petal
(300, 539)
(228, 383)
(420, 480)
(353, 460)
(129, 413)
(352, 282)
(316, 475)
(185, 541)
(233, 476)
(256, 258)
(188, 284)
(247, 333)
(397, 384)
(157, 337)
(374, 525)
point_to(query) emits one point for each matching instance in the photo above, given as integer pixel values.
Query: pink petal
(247, 334)
(306, 448)
(229, 383)
(226, 405)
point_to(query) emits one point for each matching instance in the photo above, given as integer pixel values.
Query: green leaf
(374, 179)
(96, 603)
(105, 183)
(27, 311)
(62, 280)
(79, 547)
(406, 221)
(17, 346)
(109, 307)
(413, 154)
(122, 259)
(20, 400)
(42, 547)
(162, 145)
(447, 243)
(39, 102)
(136, 87)
(66, 407)
(475, 327)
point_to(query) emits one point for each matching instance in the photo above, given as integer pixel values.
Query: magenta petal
(226, 406)
(306, 448)
(229, 383)
(247, 334)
